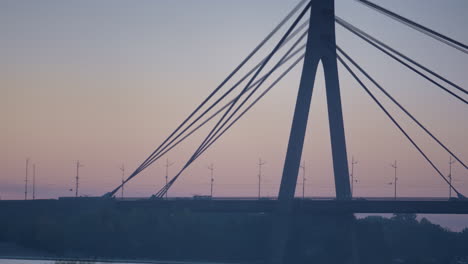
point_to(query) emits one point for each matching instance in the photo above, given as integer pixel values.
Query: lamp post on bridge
(451, 161)
(211, 168)
(260, 164)
(395, 179)
(34, 182)
(26, 180)
(303, 179)
(77, 179)
(123, 179)
(168, 164)
(353, 162)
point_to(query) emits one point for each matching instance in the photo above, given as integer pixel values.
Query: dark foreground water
(22, 261)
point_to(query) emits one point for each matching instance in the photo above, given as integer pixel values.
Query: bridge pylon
(321, 47)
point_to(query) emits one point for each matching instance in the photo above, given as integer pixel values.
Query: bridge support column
(321, 46)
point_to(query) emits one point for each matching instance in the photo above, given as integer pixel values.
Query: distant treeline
(151, 233)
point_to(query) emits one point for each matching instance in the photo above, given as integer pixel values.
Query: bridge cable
(157, 155)
(220, 123)
(168, 147)
(262, 43)
(159, 150)
(375, 40)
(161, 193)
(255, 89)
(358, 33)
(427, 31)
(270, 55)
(235, 71)
(461, 196)
(252, 104)
(398, 104)
(248, 97)
(217, 128)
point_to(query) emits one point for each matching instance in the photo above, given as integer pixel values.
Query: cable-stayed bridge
(309, 40)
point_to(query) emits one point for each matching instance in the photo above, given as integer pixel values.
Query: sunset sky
(104, 82)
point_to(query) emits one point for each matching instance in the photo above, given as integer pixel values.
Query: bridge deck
(314, 206)
(423, 206)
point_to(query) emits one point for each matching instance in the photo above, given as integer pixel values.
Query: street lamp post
(353, 162)
(168, 164)
(303, 179)
(26, 180)
(77, 182)
(394, 166)
(211, 168)
(260, 164)
(451, 161)
(123, 180)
